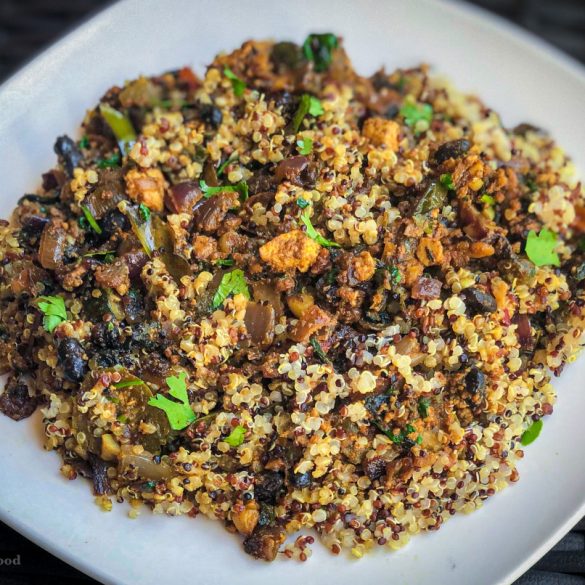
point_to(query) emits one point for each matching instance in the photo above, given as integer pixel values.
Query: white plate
(515, 74)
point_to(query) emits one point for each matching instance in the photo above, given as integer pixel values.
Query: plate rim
(538, 48)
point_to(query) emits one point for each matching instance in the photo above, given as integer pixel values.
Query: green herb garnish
(121, 127)
(415, 113)
(308, 105)
(232, 283)
(110, 162)
(84, 142)
(225, 262)
(447, 181)
(144, 212)
(236, 437)
(180, 414)
(305, 146)
(423, 407)
(318, 48)
(318, 350)
(531, 433)
(540, 248)
(54, 311)
(91, 220)
(128, 383)
(241, 188)
(395, 275)
(222, 167)
(488, 200)
(302, 203)
(314, 234)
(237, 84)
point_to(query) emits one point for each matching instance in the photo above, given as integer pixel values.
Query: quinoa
(293, 299)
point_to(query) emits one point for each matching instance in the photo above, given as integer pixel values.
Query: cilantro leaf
(318, 48)
(415, 113)
(232, 283)
(305, 146)
(540, 248)
(236, 437)
(423, 407)
(241, 188)
(222, 167)
(144, 212)
(54, 311)
(447, 181)
(180, 414)
(110, 162)
(308, 105)
(237, 84)
(128, 383)
(314, 234)
(318, 350)
(91, 220)
(531, 433)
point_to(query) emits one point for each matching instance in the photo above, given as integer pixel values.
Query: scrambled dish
(288, 297)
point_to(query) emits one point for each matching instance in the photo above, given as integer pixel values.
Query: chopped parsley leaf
(314, 234)
(222, 167)
(540, 248)
(318, 350)
(237, 84)
(180, 414)
(144, 212)
(225, 262)
(110, 162)
(54, 311)
(236, 437)
(423, 407)
(91, 220)
(447, 181)
(305, 146)
(395, 275)
(232, 283)
(241, 188)
(415, 113)
(531, 433)
(308, 105)
(84, 142)
(318, 48)
(128, 383)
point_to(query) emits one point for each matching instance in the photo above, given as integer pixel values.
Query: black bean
(113, 222)
(69, 155)
(269, 487)
(453, 149)
(375, 467)
(301, 480)
(475, 381)
(105, 335)
(210, 115)
(15, 401)
(478, 301)
(71, 357)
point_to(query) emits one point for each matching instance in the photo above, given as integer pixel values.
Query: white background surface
(520, 79)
